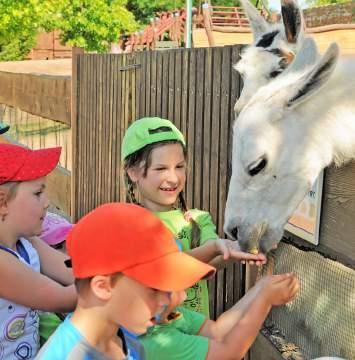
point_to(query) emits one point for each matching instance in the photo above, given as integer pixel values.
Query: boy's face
(27, 208)
(136, 304)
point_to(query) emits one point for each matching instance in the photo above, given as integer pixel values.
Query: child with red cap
(32, 273)
(126, 264)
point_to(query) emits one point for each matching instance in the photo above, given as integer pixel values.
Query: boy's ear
(101, 287)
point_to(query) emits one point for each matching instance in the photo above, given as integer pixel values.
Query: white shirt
(19, 325)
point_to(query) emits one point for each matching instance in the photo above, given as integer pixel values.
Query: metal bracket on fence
(130, 67)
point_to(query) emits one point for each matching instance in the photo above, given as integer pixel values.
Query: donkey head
(273, 49)
(275, 159)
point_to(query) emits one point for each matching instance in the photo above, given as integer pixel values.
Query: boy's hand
(279, 289)
(231, 250)
(176, 299)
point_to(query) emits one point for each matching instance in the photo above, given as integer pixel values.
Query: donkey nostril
(234, 233)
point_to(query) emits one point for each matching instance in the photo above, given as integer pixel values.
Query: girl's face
(165, 177)
(27, 209)
(139, 305)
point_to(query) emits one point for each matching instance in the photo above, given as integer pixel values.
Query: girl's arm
(21, 285)
(205, 252)
(219, 252)
(52, 262)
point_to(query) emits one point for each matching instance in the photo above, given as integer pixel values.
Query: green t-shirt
(197, 296)
(177, 340)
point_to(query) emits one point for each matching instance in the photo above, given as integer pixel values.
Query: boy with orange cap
(126, 264)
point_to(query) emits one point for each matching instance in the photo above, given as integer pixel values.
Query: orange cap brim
(173, 272)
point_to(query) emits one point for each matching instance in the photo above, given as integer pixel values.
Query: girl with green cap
(154, 157)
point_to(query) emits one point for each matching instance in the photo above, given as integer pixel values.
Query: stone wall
(331, 14)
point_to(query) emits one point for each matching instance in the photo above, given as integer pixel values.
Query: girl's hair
(11, 188)
(144, 157)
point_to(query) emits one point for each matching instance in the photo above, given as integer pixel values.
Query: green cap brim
(145, 131)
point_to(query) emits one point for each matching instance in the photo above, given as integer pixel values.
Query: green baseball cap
(3, 128)
(147, 131)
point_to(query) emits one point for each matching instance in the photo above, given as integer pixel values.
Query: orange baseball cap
(127, 238)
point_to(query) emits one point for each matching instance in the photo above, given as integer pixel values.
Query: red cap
(128, 238)
(22, 164)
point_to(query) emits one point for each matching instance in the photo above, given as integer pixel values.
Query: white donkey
(288, 131)
(273, 48)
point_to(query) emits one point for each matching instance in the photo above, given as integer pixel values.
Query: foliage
(93, 24)
(18, 27)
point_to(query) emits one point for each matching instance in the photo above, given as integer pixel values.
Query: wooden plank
(148, 86)
(199, 108)
(190, 136)
(185, 81)
(106, 130)
(119, 126)
(122, 108)
(206, 160)
(48, 96)
(134, 87)
(143, 72)
(154, 85)
(214, 206)
(207, 135)
(178, 89)
(226, 104)
(165, 84)
(114, 149)
(75, 101)
(80, 147)
(171, 85)
(159, 84)
(337, 222)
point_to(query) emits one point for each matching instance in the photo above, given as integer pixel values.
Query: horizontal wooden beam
(47, 96)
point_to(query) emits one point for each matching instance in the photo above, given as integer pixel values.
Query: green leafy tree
(19, 22)
(93, 24)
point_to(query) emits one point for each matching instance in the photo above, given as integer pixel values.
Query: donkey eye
(256, 167)
(275, 73)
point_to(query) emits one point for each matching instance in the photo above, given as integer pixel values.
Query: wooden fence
(196, 89)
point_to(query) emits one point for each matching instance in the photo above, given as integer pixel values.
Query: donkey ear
(293, 20)
(306, 56)
(314, 80)
(258, 24)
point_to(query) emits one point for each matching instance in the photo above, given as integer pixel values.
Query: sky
(276, 4)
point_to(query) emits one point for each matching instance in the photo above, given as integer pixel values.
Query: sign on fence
(305, 222)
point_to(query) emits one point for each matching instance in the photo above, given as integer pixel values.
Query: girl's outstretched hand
(231, 251)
